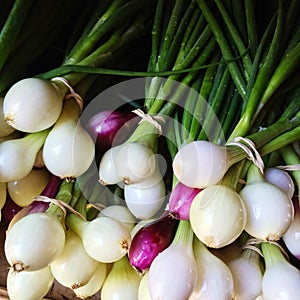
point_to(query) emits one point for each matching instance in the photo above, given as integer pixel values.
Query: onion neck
(254, 175)
(76, 223)
(184, 235)
(37, 139)
(272, 254)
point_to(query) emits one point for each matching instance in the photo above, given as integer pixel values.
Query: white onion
(173, 271)
(200, 163)
(122, 282)
(32, 104)
(23, 191)
(217, 216)
(119, 213)
(33, 242)
(105, 239)
(269, 210)
(291, 237)
(29, 285)
(17, 156)
(107, 171)
(73, 268)
(134, 162)
(144, 203)
(281, 280)
(143, 292)
(247, 275)
(281, 179)
(94, 284)
(5, 129)
(214, 281)
(68, 150)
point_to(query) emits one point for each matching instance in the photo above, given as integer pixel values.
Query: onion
(281, 280)
(32, 285)
(73, 268)
(281, 179)
(143, 292)
(217, 216)
(200, 164)
(269, 210)
(3, 194)
(68, 150)
(119, 213)
(23, 191)
(181, 199)
(5, 129)
(134, 162)
(150, 240)
(122, 282)
(144, 203)
(247, 275)
(32, 104)
(17, 156)
(214, 281)
(33, 242)
(173, 272)
(109, 128)
(94, 284)
(291, 237)
(104, 239)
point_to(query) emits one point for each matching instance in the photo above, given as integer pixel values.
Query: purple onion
(150, 240)
(10, 209)
(109, 128)
(181, 199)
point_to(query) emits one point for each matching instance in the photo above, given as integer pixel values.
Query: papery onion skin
(181, 199)
(200, 164)
(32, 104)
(33, 242)
(217, 216)
(150, 240)
(29, 285)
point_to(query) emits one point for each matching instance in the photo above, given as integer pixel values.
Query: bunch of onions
(269, 209)
(174, 267)
(214, 279)
(280, 279)
(68, 149)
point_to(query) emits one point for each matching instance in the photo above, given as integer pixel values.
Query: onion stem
(272, 254)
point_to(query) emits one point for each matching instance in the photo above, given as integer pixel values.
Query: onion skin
(150, 240)
(109, 128)
(181, 199)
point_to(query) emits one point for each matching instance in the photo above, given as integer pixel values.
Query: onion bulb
(33, 242)
(281, 179)
(144, 203)
(73, 268)
(17, 156)
(122, 282)
(94, 284)
(214, 281)
(104, 239)
(269, 210)
(5, 129)
(281, 280)
(217, 216)
(32, 104)
(173, 271)
(32, 285)
(143, 292)
(247, 275)
(68, 150)
(23, 191)
(200, 164)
